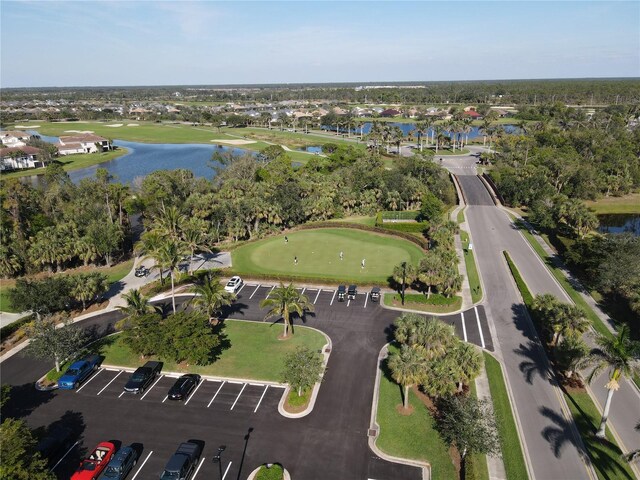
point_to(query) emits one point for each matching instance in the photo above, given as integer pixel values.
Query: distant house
(85, 143)
(390, 112)
(16, 158)
(14, 138)
(473, 114)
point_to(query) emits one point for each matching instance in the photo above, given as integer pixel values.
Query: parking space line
(87, 382)
(197, 469)
(348, 302)
(240, 289)
(464, 328)
(72, 447)
(256, 384)
(139, 469)
(123, 392)
(225, 472)
(334, 296)
(217, 392)
(165, 398)
(109, 382)
(194, 391)
(302, 293)
(235, 382)
(319, 290)
(261, 397)
(479, 326)
(242, 390)
(270, 291)
(112, 369)
(154, 384)
(366, 297)
(254, 292)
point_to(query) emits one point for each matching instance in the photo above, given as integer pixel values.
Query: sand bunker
(114, 125)
(79, 131)
(235, 142)
(133, 124)
(27, 126)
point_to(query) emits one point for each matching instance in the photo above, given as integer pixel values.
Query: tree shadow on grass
(225, 343)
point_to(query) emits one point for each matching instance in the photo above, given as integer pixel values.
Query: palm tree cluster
(432, 357)
(557, 318)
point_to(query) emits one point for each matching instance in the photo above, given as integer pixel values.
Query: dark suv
(142, 377)
(342, 290)
(351, 293)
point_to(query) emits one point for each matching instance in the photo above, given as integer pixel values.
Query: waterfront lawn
(251, 350)
(318, 253)
(612, 205)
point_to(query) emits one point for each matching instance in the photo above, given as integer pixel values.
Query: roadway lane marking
(197, 469)
(479, 326)
(260, 401)
(139, 469)
(109, 383)
(194, 392)
(464, 328)
(155, 383)
(270, 291)
(87, 382)
(242, 390)
(217, 392)
(319, 290)
(68, 451)
(225, 472)
(254, 292)
(366, 297)
(334, 296)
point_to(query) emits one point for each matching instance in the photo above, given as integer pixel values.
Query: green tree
(404, 272)
(42, 296)
(144, 334)
(105, 238)
(189, 337)
(432, 208)
(302, 369)
(407, 369)
(430, 270)
(561, 318)
(571, 354)
(469, 360)
(20, 461)
(469, 425)
(211, 297)
(137, 304)
(51, 343)
(283, 301)
(87, 286)
(619, 355)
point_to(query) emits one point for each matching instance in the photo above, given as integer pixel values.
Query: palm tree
(437, 339)
(430, 270)
(437, 133)
(194, 236)
(282, 301)
(469, 362)
(137, 304)
(211, 297)
(149, 246)
(169, 222)
(620, 355)
(169, 256)
(467, 126)
(407, 368)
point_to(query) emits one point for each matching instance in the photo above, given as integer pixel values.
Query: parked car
(142, 271)
(182, 463)
(234, 284)
(184, 386)
(352, 292)
(342, 291)
(78, 372)
(375, 294)
(92, 466)
(121, 464)
(57, 442)
(142, 377)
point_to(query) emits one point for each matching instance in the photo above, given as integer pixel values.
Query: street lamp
(216, 458)
(404, 274)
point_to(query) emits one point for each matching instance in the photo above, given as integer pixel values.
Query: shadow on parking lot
(23, 400)
(74, 422)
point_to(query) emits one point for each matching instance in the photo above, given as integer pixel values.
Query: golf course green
(318, 255)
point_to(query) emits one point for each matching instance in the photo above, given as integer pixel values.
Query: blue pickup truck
(78, 372)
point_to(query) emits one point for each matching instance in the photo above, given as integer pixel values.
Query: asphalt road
(550, 437)
(331, 442)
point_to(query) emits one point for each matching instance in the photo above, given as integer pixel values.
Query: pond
(620, 223)
(408, 127)
(145, 158)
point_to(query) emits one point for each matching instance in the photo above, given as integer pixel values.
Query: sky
(125, 43)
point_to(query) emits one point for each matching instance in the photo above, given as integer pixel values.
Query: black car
(184, 386)
(342, 291)
(142, 377)
(55, 444)
(375, 294)
(142, 271)
(351, 293)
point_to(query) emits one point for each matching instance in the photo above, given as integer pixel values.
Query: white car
(234, 284)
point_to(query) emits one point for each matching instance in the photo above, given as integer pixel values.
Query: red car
(92, 466)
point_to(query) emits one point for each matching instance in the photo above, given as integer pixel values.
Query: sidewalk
(7, 318)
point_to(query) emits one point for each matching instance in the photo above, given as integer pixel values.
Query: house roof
(390, 111)
(5, 152)
(87, 138)
(16, 134)
(69, 146)
(472, 113)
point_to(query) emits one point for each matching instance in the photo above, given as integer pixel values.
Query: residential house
(82, 143)
(473, 114)
(16, 158)
(390, 112)
(14, 138)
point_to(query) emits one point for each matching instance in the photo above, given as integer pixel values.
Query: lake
(619, 223)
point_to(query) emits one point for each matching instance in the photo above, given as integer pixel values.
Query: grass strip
(410, 436)
(477, 467)
(5, 301)
(436, 303)
(512, 456)
(472, 270)
(605, 455)
(460, 218)
(274, 472)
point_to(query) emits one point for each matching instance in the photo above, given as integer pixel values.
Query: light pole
(404, 274)
(217, 459)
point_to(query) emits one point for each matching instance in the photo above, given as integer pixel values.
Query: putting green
(318, 254)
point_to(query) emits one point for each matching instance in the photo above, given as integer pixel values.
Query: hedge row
(12, 328)
(400, 215)
(522, 286)
(434, 299)
(422, 243)
(407, 227)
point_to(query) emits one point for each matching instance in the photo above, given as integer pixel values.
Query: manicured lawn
(460, 218)
(472, 271)
(118, 271)
(410, 436)
(318, 253)
(274, 473)
(5, 303)
(369, 221)
(436, 303)
(625, 204)
(509, 441)
(254, 351)
(605, 454)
